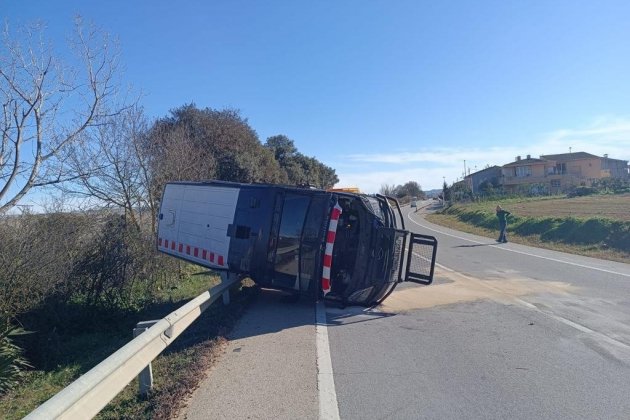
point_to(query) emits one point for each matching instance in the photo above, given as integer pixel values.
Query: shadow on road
(274, 312)
(474, 246)
(354, 315)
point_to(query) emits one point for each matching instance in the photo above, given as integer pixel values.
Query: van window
(288, 249)
(314, 231)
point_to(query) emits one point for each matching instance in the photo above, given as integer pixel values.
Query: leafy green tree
(196, 144)
(409, 189)
(446, 192)
(412, 189)
(316, 173)
(283, 148)
(300, 169)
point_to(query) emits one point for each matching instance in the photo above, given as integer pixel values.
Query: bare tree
(388, 190)
(170, 155)
(47, 103)
(112, 166)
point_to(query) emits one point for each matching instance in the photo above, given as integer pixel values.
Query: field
(613, 207)
(596, 226)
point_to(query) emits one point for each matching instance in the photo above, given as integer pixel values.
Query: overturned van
(343, 246)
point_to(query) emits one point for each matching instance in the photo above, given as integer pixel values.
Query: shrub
(581, 191)
(596, 231)
(68, 273)
(12, 362)
(38, 253)
(619, 237)
(534, 225)
(479, 218)
(592, 231)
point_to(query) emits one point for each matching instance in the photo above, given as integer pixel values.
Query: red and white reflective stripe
(193, 251)
(330, 242)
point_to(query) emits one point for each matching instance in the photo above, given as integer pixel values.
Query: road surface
(505, 331)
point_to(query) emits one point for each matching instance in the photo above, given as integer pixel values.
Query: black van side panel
(313, 243)
(250, 232)
(254, 235)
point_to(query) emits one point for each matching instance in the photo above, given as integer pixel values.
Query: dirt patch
(460, 288)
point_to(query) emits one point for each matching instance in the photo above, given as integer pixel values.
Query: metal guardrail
(90, 393)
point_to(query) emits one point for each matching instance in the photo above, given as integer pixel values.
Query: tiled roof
(492, 168)
(565, 157)
(524, 162)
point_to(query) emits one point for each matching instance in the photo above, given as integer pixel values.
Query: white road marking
(503, 248)
(618, 348)
(328, 407)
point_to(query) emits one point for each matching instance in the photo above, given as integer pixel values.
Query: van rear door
(421, 258)
(193, 222)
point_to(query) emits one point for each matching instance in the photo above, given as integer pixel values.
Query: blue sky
(383, 91)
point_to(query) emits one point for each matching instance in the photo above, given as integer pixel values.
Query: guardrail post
(225, 277)
(145, 377)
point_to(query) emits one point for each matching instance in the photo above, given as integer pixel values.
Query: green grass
(596, 226)
(176, 371)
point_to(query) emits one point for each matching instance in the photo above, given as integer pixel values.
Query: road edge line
(603, 270)
(328, 406)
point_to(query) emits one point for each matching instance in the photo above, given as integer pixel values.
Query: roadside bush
(479, 218)
(592, 231)
(619, 237)
(120, 269)
(576, 231)
(70, 273)
(113, 277)
(581, 191)
(104, 272)
(37, 253)
(534, 225)
(612, 185)
(596, 231)
(12, 362)
(564, 231)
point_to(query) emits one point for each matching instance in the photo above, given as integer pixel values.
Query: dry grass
(614, 207)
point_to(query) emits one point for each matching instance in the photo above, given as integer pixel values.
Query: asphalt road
(505, 331)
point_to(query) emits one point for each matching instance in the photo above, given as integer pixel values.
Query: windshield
(386, 210)
(375, 205)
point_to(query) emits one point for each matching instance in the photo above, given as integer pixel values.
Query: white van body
(194, 221)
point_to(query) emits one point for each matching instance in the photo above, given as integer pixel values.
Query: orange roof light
(345, 189)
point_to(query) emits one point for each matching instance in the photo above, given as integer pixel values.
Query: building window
(555, 183)
(522, 171)
(561, 168)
